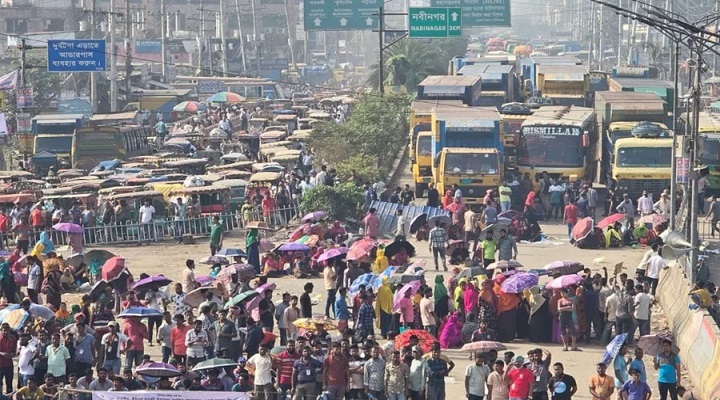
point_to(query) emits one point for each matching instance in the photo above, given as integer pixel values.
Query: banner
(24, 123)
(3, 125)
(169, 395)
(9, 81)
(24, 97)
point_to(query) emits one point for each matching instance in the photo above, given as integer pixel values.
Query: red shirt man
(521, 379)
(285, 363)
(8, 348)
(177, 337)
(570, 214)
(268, 204)
(37, 219)
(137, 332)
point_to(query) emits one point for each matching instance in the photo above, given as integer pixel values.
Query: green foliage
(408, 62)
(340, 202)
(46, 85)
(366, 167)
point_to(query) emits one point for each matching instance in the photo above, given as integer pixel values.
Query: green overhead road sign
(479, 13)
(434, 22)
(341, 15)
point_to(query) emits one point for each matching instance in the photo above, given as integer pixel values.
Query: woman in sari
(458, 295)
(470, 298)
(7, 282)
(488, 303)
(507, 312)
(580, 313)
(541, 321)
(62, 315)
(440, 294)
(451, 335)
(553, 308)
(383, 308)
(252, 248)
(447, 199)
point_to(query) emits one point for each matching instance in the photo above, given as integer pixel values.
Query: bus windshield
(711, 151)
(53, 144)
(644, 157)
(424, 146)
(471, 163)
(550, 151)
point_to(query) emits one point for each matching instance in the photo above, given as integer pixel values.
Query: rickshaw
(195, 166)
(213, 156)
(216, 137)
(65, 174)
(300, 110)
(256, 125)
(237, 189)
(282, 143)
(103, 194)
(290, 161)
(272, 136)
(289, 120)
(267, 153)
(320, 116)
(231, 158)
(267, 167)
(15, 175)
(234, 174)
(148, 173)
(214, 200)
(260, 183)
(306, 123)
(135, 200)
(240, 165)
(300, 136)
(66, 201)
(137, 181)
(7, 201)
(133, 229)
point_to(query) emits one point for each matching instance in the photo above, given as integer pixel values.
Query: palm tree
(408, 62)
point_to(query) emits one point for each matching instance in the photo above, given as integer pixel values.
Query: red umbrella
(610, 220)
(301, 231)
(582, 229)
(654, 219)
(112, 268)
(360, 249)
(425, 339)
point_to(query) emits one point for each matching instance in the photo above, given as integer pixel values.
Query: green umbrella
(240, 298)
(214, 363)
(303, 239)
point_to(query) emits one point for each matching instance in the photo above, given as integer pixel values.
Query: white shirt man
(655, 264)
(645, 204)
(146, 214)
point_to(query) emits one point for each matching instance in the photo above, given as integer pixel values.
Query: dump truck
(499, 83)
(643, 161)
(664, 89)
(444, 87)
(565, 85)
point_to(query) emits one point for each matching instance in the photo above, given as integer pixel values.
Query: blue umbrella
(364, 279)
(140, 312)
(613, 348)
(387, 273)
(231, 253)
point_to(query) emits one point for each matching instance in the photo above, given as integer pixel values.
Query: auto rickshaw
(195, 166)
(237, 189)
(272, 136)
(267, 153)
(240, 165)
(289, 120)
(260, 183)
(267, 167)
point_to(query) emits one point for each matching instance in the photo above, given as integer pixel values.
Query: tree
(46, 85)
(341, 202)
(408, 62)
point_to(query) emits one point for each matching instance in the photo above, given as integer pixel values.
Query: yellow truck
(643, 162)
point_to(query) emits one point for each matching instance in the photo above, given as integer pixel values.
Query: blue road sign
(78, 55)
(478, 13)
(341, 15)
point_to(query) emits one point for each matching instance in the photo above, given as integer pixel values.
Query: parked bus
(709, 133)
(91, 145)
(560, 141)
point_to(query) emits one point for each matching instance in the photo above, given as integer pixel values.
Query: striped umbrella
(226, 97)
(190, 107)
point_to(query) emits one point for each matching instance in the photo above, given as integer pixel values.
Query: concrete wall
(695, 332)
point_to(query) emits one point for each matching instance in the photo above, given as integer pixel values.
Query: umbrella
(564, 281)
(68, 227)
(212, 260)
(97, 289)
(613, 348)
(418, 222)
(582, 228)
(610, 220)
(92, 256)
(387, 273)
(412, 287)
(510, 214)
(360, 249)
(444, 219)
(214, 363)
(197, 296)
(364, 279)
(112, 268)
(231, 253)
(157, 370)
(225, 97)
(310, 324)
(16, 318)
(239, 298)
(308, 240)
(253, 304)
(258, 225)
(564, 267)
(294, 247)
(314, 216)
(483, 346)
(299, 232)
(266, 287)
(654, 219)
(190, 107)
(471, 272)
(505, 264)
(396, 246)
(652, 344)
(157, 280)
(425, 339)
(332, 253)
(224, 277)
(203, 280)
(140, 312)
(518, 282)
(404, 278)
(265, 246)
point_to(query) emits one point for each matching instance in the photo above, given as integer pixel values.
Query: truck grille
(475, 191)
(425, 171)
(636, 186)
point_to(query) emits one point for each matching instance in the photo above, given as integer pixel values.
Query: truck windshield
(471, 163)
(644, 157)
(711, 151)
(424, 146)
(550, 151)
(53, 144)
(619, 134)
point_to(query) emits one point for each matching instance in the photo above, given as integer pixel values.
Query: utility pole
(242, 37)
(380, 44)
(163, 41)
(223, 41)
(291, 41)
(113, 58)
(256, 38)
(93, 83)
(128, 52)
(694, 152)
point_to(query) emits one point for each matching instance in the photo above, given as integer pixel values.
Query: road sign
(78, 55)
(434, 22)
(478, 13)
(209, 87)
(271, 64)
(341, 15)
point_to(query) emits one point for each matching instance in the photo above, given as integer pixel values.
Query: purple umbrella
(157, 280)
(68, 227)
(314, 216)
(411, 286)
(564, 267)
(332, 253)
(267, 286)
(518, 282)
(294, 247)
(204, 279)
(564, 281)
(158, 370)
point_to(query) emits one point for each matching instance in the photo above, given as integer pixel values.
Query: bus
(709, 134)
(91, 145)
(60, 145)
(559, 141)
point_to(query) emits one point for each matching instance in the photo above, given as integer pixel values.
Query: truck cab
(422, 162)
(473, 170)
(643, 161)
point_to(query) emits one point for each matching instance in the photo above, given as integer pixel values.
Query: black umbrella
(418, 222)
(397, 279)
(472, 272)
(97, 289)
(395, 247)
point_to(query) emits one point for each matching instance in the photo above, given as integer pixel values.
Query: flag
(9, 81)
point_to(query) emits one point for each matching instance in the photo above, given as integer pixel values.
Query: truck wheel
(420, 190)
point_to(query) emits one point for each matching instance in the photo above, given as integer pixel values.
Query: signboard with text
(479, 13)
(341, 15)
(24, 97)
(24, 123)
(682, 166)
(434, 22)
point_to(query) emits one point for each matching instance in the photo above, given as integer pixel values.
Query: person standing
(397, 377)
(342, 314)
(407, 196)
(506, 247)
(285, 368)
(366, 316)
(330, 285)
(592, 200)
(497, 385)
(282, 323)
(416, 378)
(714, 212)
(570, 216)
(540, 368)
(561, 385)
(163, 336)
(601, 384)
(638, 364)
(263, 363)
(642, 303)
(371, 224)
(427, 311)
(433, 196)
(304, 377)
(667, 363)
(8, 348)
(626, 207)
(436, 369)
(620, 367)
(336, 373)
(195, 340)
(306, 301)
(216, 235)
(475, 377)
(505, 193)
(520, 378)
(374, 375)
(147, 213)
(635, 388)
(645, 204)
(177, 338)
(113, 343)
(625, 313)
(188, 277)
(438, 239)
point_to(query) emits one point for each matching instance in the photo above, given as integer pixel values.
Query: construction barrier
(695, 332)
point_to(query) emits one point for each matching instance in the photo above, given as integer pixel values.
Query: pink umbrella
(564, 281)
(253, 304)
(242, 270)
(266, 245)
(412, 286)
(267, 286)
(68, 227)
(301, 231)
(332, 253)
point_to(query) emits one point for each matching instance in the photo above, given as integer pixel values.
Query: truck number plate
(465, 181)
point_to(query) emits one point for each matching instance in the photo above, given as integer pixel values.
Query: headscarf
(470, 298)
(253, 235)
(506, 301)
(451, 335)
(381, 262)
(458, 293)
(14, 257)
(383, 300)
(448, 198)
(48, 245)
(530, 199)
(439, 291)
(536, 299)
